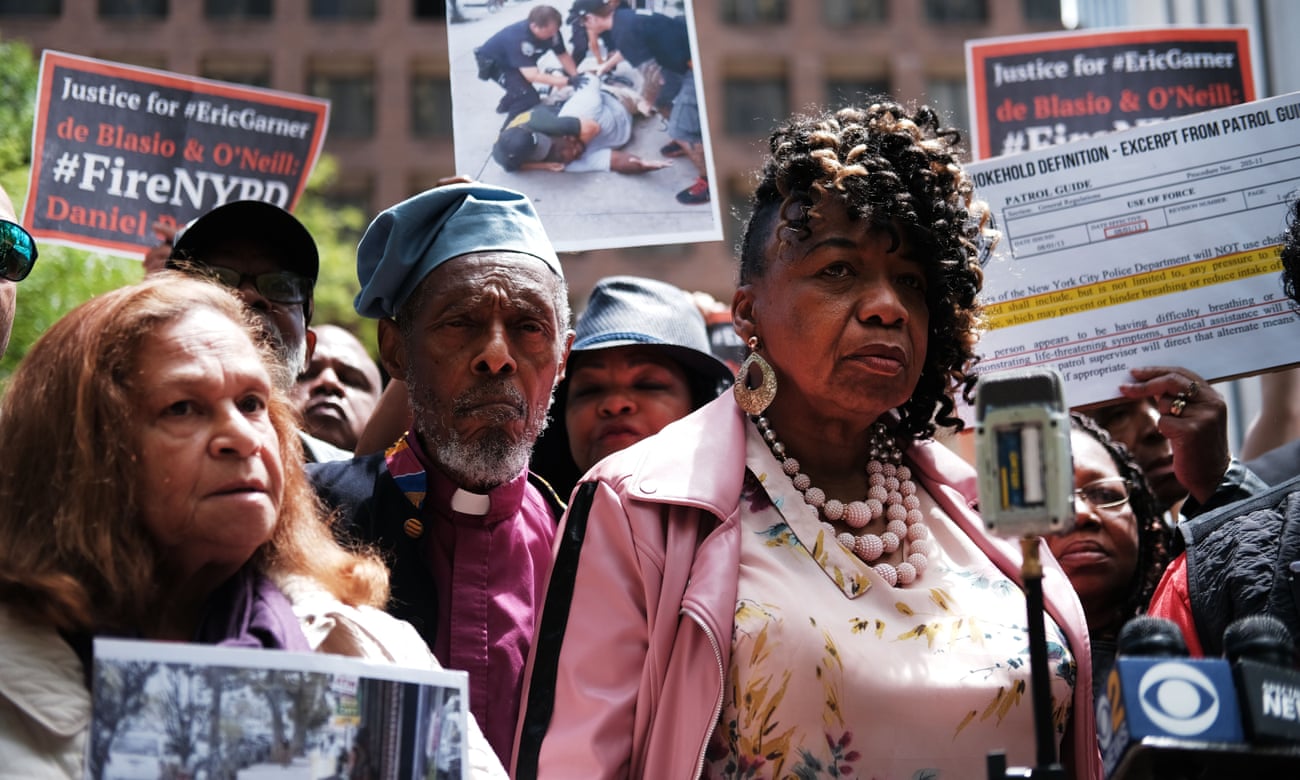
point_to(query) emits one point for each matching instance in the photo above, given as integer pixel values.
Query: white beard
(290, 359)
(493, 458)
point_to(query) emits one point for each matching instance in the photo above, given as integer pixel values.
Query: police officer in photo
(659, 45)
(510, 59)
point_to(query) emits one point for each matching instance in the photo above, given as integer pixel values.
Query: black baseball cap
(518, 145)
(581, 8)
(264, 223)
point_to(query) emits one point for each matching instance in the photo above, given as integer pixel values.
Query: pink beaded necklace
(891, 494)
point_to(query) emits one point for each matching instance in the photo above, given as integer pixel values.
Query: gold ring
(1191, 391)
(1177, 406)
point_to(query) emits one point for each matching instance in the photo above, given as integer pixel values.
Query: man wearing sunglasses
(268, 258)
(17, 255)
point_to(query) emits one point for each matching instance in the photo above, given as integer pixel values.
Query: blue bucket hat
(631, 310)
(407, 241)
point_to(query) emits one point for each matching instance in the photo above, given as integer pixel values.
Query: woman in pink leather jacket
(792, 581)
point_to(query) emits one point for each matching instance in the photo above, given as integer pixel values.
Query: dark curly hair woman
(791, 580)
(1119, 545)
(897, 174)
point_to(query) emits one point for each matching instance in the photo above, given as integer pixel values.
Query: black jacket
(372, 509)
(1244, 559)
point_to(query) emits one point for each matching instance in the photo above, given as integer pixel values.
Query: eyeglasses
(277, 286)
(17, 251)
(1109, 493)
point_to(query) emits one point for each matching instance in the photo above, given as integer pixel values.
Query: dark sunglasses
(277, 286)
(17, 251)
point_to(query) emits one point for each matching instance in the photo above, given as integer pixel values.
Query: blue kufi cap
(407, 241)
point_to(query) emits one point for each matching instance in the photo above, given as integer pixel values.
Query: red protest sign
(117, 148)
(1032, 92)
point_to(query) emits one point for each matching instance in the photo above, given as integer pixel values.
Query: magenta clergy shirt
(490, 572)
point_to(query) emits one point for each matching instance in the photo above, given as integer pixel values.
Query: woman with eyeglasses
(1119, 545)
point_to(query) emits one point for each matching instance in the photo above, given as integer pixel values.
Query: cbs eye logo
(1178, 698)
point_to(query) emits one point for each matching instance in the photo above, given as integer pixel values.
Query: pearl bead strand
(891, 494)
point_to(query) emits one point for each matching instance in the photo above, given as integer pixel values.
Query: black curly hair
(898, 169)
(1291, 254)
(1155, 537)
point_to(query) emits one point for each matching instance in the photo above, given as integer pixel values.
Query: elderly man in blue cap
(474, 316)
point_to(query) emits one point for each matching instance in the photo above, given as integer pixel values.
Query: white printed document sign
(1156, 245)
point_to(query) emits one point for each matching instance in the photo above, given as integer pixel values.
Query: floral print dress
(836, 674)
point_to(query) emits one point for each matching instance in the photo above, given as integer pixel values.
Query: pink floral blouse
(836, 674)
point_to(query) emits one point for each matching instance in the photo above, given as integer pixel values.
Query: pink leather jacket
(647, 607)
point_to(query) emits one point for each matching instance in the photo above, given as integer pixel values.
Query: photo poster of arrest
(1155, 245)
(168, 710)
(1031, 92)
(593, 108)
(121, 153)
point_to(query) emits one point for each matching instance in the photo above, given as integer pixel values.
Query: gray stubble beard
(493, 458)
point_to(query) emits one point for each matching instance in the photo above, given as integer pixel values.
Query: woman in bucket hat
(640, 360)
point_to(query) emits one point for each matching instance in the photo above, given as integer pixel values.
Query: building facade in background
(1275, 25)
(383, 65)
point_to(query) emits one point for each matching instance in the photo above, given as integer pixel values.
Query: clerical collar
(420, 481)
(468, 503)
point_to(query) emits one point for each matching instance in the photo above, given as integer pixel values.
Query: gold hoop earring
(755, 399)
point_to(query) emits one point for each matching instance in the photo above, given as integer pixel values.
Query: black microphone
(1262, 654)
(1156, 696)
(1151, 637)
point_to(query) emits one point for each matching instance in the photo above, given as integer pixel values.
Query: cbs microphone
(1162, 712)
(1262, 655)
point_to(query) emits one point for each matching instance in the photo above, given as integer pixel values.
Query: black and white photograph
(169, 712)
(594, 109)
